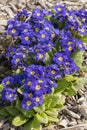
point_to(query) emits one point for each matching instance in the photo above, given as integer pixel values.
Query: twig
(76, 127)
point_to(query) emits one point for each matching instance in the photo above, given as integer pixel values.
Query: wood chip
(71, 113)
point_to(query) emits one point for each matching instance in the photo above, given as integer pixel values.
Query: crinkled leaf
(84, 39)
(71, 78)
(12, 110)
(42, 117)
(19, 120)
(40, 108)
(4, 113)
(52, 112)
(20, 90)
(47, 103)
(62, 85)
(52, 100)
(70, 91)
(77, 56)
(1, 87)
(32, 124)
(53, 119)
(27, 113)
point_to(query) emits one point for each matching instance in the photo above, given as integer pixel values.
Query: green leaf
(47, 103)
(53, 119)
(54, 11)
(70, 91)
(19, 120)
(62, 85)
(27, 113)
(32, 124)
(84, 39)
(4, 113)
(42, 117)
(84, 68)
(70, 78)
(20, 90)
(52, 112)
(12, 110)
(18, 105)
(78, 57)
(79, 84)
(1, 87)
(40, 108)
(52, 100)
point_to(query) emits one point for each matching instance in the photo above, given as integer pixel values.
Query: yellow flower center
(40, 81)
(34, 39)
(36, 50)
(13, 31)
(67, 63)
(69, 43)
(70, 48)
(26, 51)
(8, 82)
(47, 28)
(11, 52)
(26, 38)
(41, 55)
(17, 60)
(53, 71)
(30, 95)
(72, 27)
(80, 45)
(32, 72)
(29, 83)
(37, 29)
(23, 80)
(82, 30)
(11, 95)
(53, 35)
(43, 35)
(59, 9)
(38, 87)
(71, 17)
(60, 58)
(38, 14)
(24, 56)
(25, 30)
(37, 99)
(28, 103)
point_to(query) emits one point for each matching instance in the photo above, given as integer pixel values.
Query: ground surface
(74, 114)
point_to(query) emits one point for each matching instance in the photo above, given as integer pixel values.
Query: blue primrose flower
(28, 103)
(8, 81)
(37, 14)
(40, 55)
(9, 94)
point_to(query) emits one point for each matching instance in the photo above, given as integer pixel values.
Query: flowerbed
(45, 55)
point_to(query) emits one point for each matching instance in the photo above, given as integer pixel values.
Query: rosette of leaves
(47, 48)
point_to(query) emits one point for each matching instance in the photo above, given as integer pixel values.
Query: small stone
(12, 129)
(13, 7)
(5, 126)
(71, 113)
(9, 12)
(72, 123)
(63, 123)
(80, 100)
(83, 110)
(3, 22)
(1, 123)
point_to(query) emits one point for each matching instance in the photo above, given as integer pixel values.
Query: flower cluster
(38, 37)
